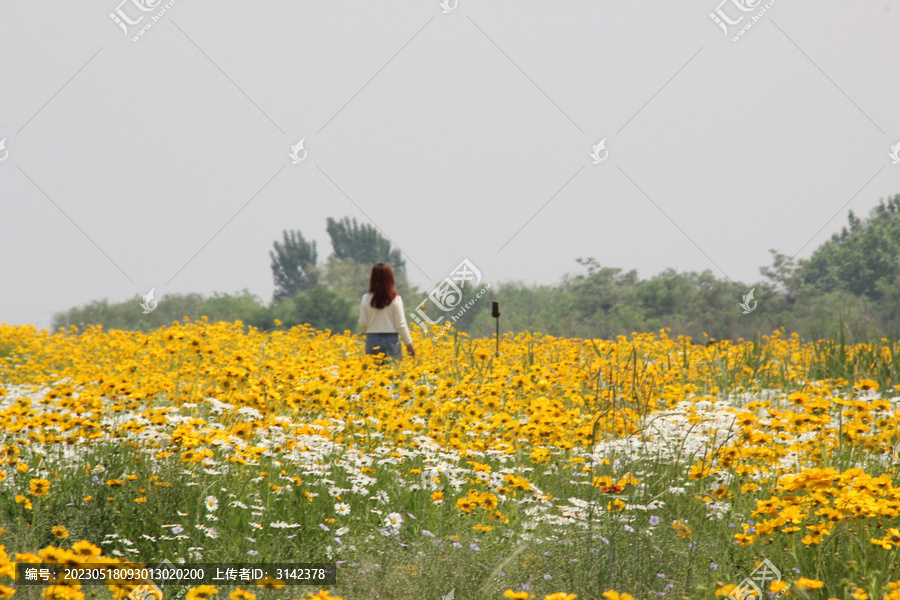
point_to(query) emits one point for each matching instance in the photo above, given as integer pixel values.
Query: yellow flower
(63, 592)
(498, 516)
(202, 592)
(809, 584)
(613, 595)
(27, 557)
(866, 384)
(86, 549)
(517, 595)
(60, 532)
(39, 487)
(565, 596)
(465, 504)
(681, 529)
(20, 499)
(322, 595)
(240, 594)
(488, 501)
(540, 456)
(778, 586)
(270, 583)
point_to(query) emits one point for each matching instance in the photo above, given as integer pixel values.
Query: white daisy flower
(212, 503)
(249, 412)
(393, 520)
(342, 508)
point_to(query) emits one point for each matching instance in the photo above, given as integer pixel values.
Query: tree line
(850, 281)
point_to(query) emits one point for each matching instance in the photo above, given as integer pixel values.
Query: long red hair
(381, 285)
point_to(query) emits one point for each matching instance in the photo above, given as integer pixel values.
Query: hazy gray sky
(164, 163)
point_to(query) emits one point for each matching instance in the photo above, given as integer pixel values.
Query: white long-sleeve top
(389, 319)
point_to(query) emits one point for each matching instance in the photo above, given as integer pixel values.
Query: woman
(381, 316)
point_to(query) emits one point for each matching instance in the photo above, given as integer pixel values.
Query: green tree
(317, 306)
(293, 265)
(128, 315)
(364, 244)
(864, 259)
(598, 296)
(545, 308)
(243, 307)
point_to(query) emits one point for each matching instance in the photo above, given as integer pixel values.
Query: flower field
(642, 467)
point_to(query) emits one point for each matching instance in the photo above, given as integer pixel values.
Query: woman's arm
(399, 320)
(363, 314)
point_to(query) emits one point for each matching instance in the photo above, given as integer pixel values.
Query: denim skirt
(385, 344)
